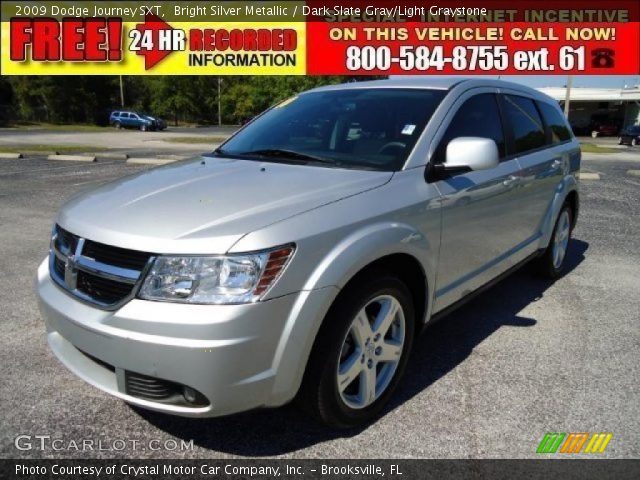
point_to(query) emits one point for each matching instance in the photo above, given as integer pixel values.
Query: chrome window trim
(79, 262)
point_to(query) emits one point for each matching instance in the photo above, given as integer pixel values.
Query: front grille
(118, 257)
(66, 242)
(102, 289)
(58, 266)
(94, 272)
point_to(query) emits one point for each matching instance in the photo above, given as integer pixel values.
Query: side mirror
(471, 153)
(464, 154)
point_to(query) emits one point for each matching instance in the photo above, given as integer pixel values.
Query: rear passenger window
(525, 121)
(555, 121)
(477, 117)
(124, 115)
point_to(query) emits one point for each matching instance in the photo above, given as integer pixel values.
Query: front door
(480, 208)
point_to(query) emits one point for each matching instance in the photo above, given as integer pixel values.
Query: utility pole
(219, 102)
(121, 92)
(567, 96)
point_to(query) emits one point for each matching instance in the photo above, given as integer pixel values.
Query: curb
(111, 156)
(36, 153)
(588, 176)
(150, 161)
(73, 158)
(633, 173)
(10, 156)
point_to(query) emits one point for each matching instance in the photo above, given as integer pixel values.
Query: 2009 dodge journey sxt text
(302, 256)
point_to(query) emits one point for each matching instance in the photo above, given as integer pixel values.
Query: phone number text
(468, 58)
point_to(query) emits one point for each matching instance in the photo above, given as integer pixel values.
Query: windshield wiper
(286, 154)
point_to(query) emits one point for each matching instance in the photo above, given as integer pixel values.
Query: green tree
(89, 99)
(7, 111)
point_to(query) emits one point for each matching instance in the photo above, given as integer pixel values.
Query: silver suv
(300, 259)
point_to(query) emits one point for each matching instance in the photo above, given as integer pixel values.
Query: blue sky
(601, 81)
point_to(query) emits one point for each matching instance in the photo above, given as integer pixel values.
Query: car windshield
(367, 128)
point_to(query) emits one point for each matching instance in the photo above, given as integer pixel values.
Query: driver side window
(477, 117)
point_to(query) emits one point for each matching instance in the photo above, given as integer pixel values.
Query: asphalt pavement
(526, 357)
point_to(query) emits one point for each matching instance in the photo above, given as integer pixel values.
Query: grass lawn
(59, 128)
(50, 148)
(591, 148)
(202, 139)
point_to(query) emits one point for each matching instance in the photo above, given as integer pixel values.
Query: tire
(548, 264)
(620, 142)
(143, 128)
(346, 343)
(634, 142)
(594, 134)
(118, 125)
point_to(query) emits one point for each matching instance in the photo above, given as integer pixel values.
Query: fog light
(189, 395)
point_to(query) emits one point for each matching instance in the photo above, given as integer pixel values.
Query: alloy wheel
(561, 239)
(371, 352)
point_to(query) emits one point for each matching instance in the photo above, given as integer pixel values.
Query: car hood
(206, 204)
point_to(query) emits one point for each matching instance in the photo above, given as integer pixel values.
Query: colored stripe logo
(574, 442)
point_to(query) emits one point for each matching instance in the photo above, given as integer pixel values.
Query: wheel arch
(396, 248)
(573, 200)
(567, 192)
(407, 269)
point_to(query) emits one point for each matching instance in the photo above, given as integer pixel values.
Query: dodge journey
(300, 259)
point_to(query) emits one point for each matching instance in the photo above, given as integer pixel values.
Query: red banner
(493, 37)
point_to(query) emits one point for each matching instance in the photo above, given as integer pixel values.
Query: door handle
(510, 180)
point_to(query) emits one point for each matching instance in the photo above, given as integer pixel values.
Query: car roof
(434, 83)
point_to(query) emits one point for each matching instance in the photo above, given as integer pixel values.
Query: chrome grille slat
(107, 281)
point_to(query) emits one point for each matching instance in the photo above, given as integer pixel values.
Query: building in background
(604, 111)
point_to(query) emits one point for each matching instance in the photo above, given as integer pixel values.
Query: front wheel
(552, 262)
(143, 128)
(360, 353)
(634, 142)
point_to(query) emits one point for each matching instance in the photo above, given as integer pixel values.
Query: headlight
(215, 279)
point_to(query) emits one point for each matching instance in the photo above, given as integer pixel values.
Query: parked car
(126, 119)
(605, 130)
(630, 136)
(301, 258)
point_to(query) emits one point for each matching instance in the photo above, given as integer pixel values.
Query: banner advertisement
(319, 38)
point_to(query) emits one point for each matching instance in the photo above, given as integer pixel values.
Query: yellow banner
(40, 40)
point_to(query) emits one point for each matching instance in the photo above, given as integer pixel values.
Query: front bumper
(238, 356)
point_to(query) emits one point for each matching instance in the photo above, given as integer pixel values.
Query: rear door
(541, 155)
(478, 208)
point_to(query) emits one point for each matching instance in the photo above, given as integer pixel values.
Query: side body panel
(335, 242)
